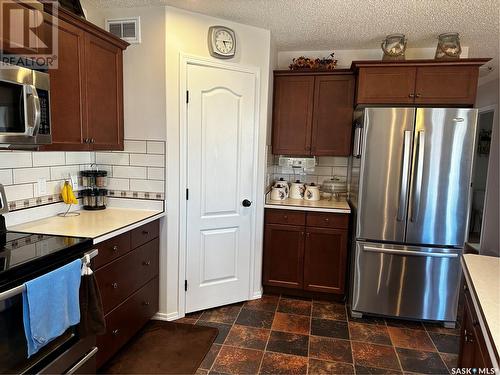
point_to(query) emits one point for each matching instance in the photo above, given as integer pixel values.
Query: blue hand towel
(51, 305)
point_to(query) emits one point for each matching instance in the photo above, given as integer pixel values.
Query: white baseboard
(257, 294)
(167, 317)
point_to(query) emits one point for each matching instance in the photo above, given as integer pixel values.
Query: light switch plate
(74, 182)
(42, 186)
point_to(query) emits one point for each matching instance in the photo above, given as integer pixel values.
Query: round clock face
(224, 42)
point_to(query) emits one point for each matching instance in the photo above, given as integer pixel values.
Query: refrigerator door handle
(409, 252)
(419, 170)
(358, 134)
(403, 188)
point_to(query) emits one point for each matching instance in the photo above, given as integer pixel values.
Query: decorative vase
(448, 47)
(394, 47)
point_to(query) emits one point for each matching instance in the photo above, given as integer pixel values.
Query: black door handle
(246, 203)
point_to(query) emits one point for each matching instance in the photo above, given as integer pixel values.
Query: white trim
(488, 108)
(166, 317)
(184, 61)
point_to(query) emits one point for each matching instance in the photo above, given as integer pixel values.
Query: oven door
(23, 107)
(13, 351)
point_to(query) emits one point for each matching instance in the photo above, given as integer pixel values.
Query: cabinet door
(104, 69)
(446, 85)
(332, 115)
(393, 85)
(292, 115)
(325, 260)
(67, 95)
(283, 256)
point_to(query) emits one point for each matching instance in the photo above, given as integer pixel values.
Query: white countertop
(323, 205)
(482, 274)
(98, 225)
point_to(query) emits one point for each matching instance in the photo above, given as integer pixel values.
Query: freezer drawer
(406, 281)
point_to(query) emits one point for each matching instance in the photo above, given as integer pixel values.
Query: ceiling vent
(128, 29)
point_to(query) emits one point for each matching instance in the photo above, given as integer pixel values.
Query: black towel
(92, 320)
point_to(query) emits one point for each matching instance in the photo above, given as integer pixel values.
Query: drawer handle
(327, 220)
(115, 332)
(115, 285)
(145, 232)
(115, 248)
(146, 303)
(308, 234)
(146, 263)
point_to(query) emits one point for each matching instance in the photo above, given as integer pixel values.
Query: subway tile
(112, 158)
(340, 171)
(43, 158)
(6, 176)
(322, 171)
(340, 161)
(147, 185)
(53, 187)
(156, 147)
(15, 160)
(134, 146)
(24, 175)
(82, 157)
(17, 192)
(64, 172)
(328, 161)
(156, 173)
(118, 184)
(147, 160)
(129, 172)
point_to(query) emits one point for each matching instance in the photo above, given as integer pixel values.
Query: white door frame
(185, 60)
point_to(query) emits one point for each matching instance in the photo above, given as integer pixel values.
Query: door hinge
(187, 194)
(187, 96)
(185, 285)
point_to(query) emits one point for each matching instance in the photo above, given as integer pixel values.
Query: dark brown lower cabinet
(310, 257)
(473, 351)
(127, 269)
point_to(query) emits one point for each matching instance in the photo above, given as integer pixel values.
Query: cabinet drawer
(119, 279)
(124, 322)
(145, 233)
(327, 220)
(276, 216)
(111, 249)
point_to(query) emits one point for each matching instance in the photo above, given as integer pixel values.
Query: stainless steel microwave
(24, 108)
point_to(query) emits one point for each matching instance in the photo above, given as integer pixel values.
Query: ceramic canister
(312, 193)
(297, 190)
(278, 194)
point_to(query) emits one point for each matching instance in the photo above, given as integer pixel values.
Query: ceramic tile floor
(283, 335)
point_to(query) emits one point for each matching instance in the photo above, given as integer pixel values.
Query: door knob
(246, 203)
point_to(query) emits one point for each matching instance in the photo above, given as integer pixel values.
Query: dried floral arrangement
(306, 63)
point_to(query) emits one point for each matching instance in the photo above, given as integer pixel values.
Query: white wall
(186, 33)
(488, 95)
(346, 57)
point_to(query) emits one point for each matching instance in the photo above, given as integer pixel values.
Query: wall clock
(221, 42)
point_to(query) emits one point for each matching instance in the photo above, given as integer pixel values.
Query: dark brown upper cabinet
(423, 82)
(312, 113)
(87, 86)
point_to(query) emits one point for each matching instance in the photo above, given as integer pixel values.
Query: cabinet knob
(327, 220)
(92, 140)
(285, 217)
(115, 332)
(146, 262)
(308, 148)
(468, 337)
(115, 248)
(308, 234)
(418, 95)
(146, 303)
(466, 288)
(145, 232)
(411, 95)
(475, 323)
(115, 285)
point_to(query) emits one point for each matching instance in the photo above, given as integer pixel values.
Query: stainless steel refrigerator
(410, 184)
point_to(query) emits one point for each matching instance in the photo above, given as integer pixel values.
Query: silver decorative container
(394, 47)
(448, 47)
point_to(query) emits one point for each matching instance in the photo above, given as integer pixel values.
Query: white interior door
(221, 123)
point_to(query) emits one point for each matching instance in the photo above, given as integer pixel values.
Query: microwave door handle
(418, 177)
(33, 117)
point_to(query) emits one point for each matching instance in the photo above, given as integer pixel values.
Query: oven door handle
(82, 361)
(35, 112)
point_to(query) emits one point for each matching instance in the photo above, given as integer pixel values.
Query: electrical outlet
(74, 182)
(42, 186)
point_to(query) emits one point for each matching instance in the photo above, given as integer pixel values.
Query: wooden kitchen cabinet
(305, 251)
(312, 113)
(87, 87)
(473, 350)
(422, 82)
(126, 271)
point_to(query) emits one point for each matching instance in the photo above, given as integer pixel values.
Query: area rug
(163, 348)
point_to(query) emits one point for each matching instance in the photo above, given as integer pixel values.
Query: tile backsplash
(326, 168)
(136, 172)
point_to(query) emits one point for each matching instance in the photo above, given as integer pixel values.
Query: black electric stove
(26, 255)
